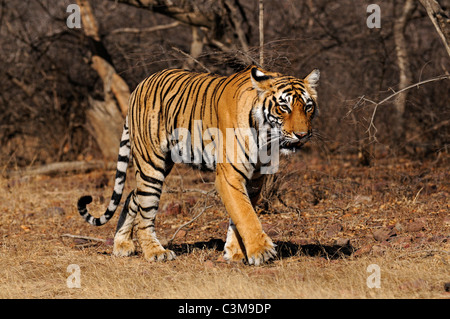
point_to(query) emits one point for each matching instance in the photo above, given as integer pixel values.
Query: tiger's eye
(284, 108)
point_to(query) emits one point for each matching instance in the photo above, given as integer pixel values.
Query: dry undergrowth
(331, 220)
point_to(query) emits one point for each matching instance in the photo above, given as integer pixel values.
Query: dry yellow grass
(32, 270)
(36, 211)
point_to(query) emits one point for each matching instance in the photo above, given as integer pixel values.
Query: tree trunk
(261, 33)
(105, 118)
(405, 76)
(105, 123)
(196, 49)
(440, 21)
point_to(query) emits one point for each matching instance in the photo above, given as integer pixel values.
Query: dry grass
(395, 196)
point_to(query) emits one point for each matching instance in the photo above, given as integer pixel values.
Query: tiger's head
(286, 104)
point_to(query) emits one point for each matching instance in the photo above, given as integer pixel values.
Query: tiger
(275, 110)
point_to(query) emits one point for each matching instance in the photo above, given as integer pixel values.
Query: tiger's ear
(313, 78)
(260, 80)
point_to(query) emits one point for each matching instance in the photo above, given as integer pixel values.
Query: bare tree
(224, 21)
(105, 117)
(440, 21)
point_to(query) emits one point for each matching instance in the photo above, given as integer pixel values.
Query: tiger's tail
(121, 174)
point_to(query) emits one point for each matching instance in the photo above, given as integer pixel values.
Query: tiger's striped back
(176, 99)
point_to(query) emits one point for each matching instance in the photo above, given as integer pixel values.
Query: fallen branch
(427, 251)
(84, 237)
(149, 29)
(62, 167)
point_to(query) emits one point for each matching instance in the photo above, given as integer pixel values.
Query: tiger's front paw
(261, 251)
(123, 248)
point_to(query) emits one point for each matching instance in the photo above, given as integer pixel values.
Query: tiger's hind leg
(148, 192)
(123, 241)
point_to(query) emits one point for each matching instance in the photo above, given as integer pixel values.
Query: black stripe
(148, 209)
(234, 187)
(149, 161)
(282, 86)
(97, 222)
(124, 142)
(122, 158)
(144, 193)
(149, 179)
(240, 172)
(124, 212)
(121, 175)
(147, 226)
(116, 198)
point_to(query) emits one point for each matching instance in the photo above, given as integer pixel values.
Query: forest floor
(341, 230)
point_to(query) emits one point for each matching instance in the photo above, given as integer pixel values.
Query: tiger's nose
(301, 135)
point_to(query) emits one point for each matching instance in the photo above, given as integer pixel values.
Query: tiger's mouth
(292, 145)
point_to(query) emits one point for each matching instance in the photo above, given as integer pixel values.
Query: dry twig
(193, 59)
(196, 217)
(149, 29)
(84, 237)
(376, 104)
(189, 222)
